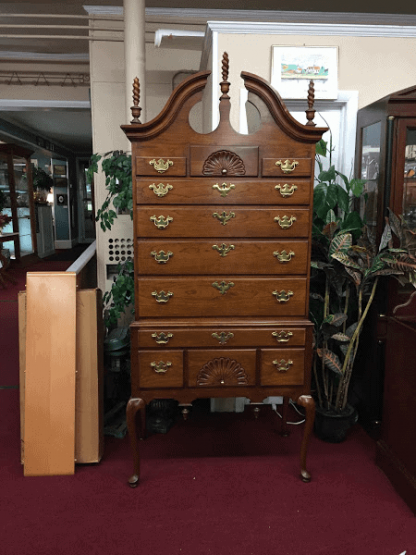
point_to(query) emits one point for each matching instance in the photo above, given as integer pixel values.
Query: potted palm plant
(346, 269)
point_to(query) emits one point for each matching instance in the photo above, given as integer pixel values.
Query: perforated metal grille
(120, 250)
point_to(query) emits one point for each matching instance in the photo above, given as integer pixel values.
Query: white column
(134, 53)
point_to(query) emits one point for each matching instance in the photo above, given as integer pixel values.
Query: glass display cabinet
(386, 159)
(16, 184)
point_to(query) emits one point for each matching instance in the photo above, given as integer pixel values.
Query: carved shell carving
(222, 371)
(223, 162)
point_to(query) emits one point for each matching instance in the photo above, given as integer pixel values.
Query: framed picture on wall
(293, 67)
(59, 169)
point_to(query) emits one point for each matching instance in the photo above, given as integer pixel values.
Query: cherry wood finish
(393, 116)
(217, 313)
(236, 190)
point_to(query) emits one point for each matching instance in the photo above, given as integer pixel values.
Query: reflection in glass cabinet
(16, 184)
(409, 183)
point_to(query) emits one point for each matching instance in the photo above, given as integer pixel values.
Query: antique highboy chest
(222, 226)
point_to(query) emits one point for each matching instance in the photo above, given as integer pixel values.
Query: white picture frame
(293, 67)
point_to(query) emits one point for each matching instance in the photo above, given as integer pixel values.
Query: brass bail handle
(282, 365)
(287, 166)
(160, 367)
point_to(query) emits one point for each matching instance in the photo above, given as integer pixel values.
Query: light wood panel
(49, 435)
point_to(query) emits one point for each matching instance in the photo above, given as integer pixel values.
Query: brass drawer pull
(223, 286)
(283, 257)
(160, 190)
(223, 337)
(282, 336)
(286, 190)
(160, 165)
(162, 338)
(224, 217)
(160, 367)
(162, 257)
(285, 222)
(162, 297)
(161, 222)
(282, 296)
(224, 189)
(282, 365)
(287, 166)
(223, 249)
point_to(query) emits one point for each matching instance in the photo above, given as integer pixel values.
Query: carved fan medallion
(222, 371)
(223, 162)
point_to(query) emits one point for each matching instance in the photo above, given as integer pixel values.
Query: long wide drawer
(220, 296)
(233, 191)
(223, 221)
(167, 336)
(181, 257)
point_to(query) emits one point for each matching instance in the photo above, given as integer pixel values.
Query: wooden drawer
(292, 167)
(157, 370)
(282, 367)
(211, 368)
(228, 191)
(224, 161)
(222, 337)
(221, 221)
(198, 297)
(181, 257)
(160, 165)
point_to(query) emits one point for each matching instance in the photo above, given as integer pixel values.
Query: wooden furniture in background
(16, 184)
(386, 159)
(222, 247)
(396, 449)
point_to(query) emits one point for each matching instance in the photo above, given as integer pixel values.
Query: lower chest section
(215, 359)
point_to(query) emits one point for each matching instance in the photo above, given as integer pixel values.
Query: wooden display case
(16, 184)
(386, 158)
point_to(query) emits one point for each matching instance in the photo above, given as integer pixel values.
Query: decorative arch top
(279, 112)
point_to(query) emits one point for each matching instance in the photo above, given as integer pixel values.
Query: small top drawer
(278, 167)
(224, 161)
(155, 165)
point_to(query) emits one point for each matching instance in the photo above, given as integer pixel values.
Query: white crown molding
(201, 16)
(312, 29)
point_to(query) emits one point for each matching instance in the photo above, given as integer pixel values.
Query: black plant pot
(333, 426)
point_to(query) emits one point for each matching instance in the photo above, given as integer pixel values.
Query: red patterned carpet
(218, 484)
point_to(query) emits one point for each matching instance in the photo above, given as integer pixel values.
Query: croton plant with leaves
(346, 268)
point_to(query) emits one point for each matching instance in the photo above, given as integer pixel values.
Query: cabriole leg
(308, 403)
(134, 405)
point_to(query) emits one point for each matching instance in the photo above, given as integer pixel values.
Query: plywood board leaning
(49, 434)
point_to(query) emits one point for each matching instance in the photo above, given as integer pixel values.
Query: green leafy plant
(116, 166)
(346, 268)
(42, 181)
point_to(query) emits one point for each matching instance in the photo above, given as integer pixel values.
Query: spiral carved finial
(225, 66)
(135, 109)
(225, 85)
(310, 112)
